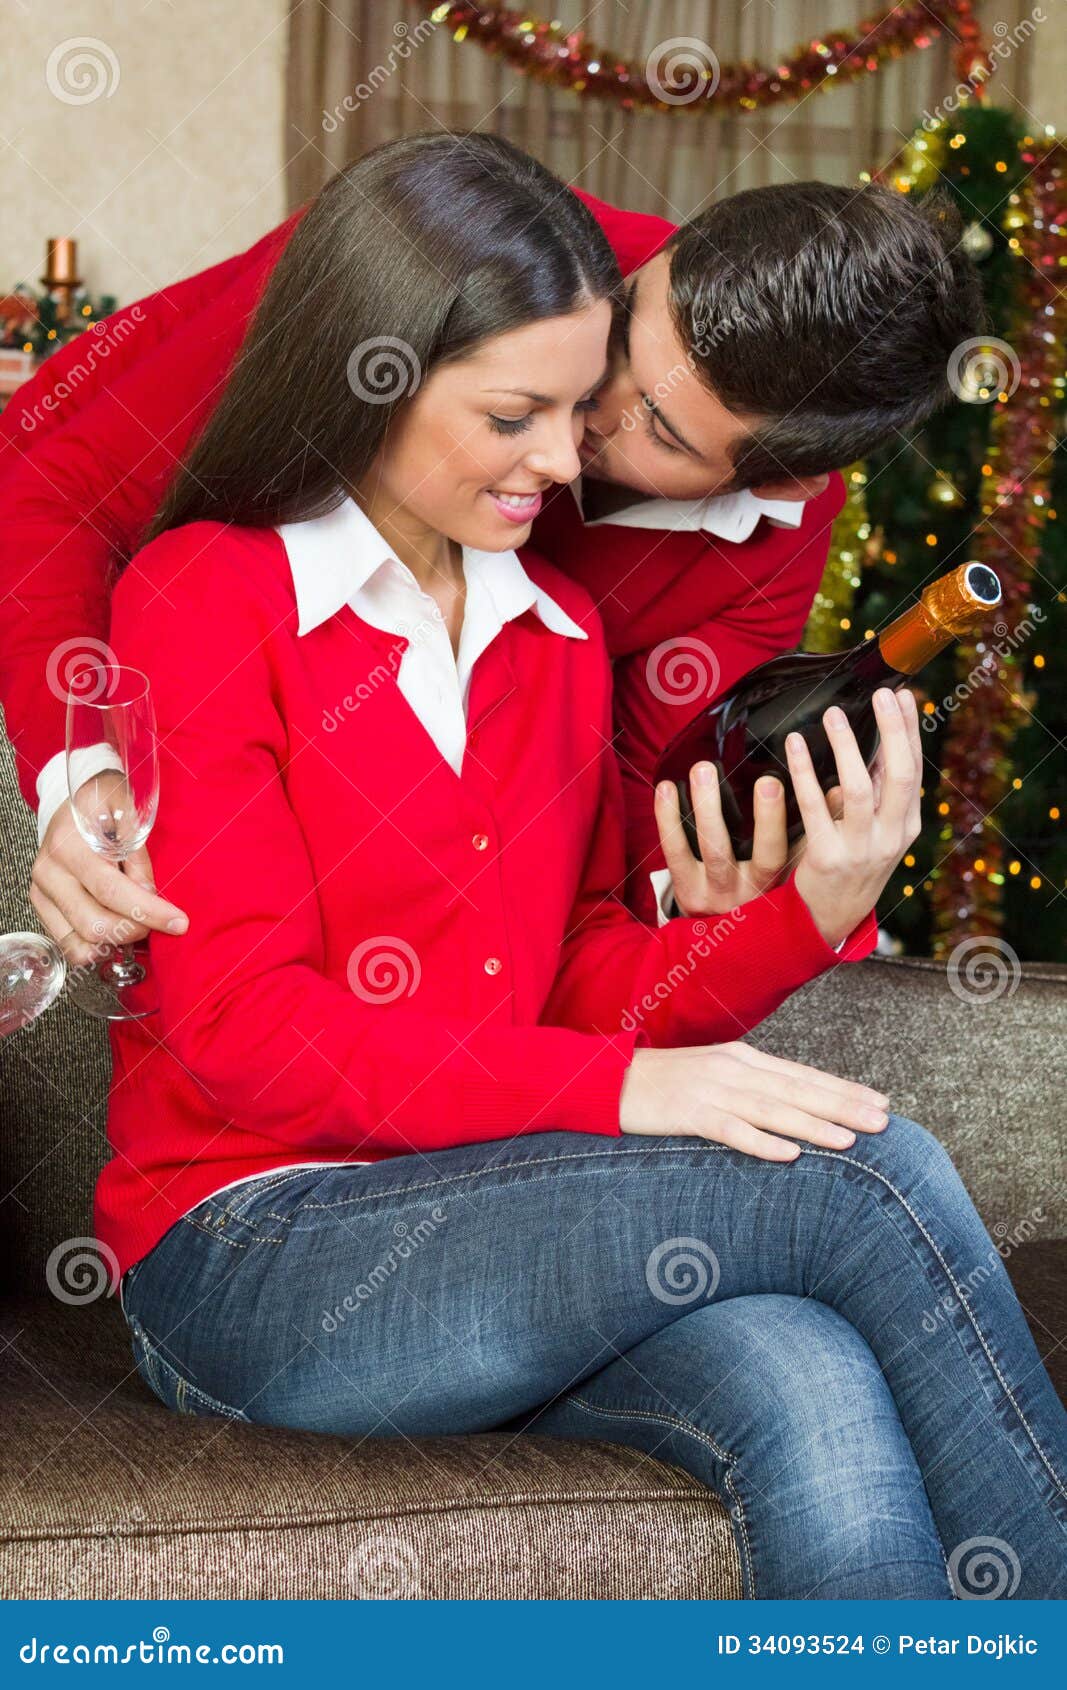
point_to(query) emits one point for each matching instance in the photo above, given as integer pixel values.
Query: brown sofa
(105, 1493)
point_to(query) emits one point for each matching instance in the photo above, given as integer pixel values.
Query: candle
(61, 265)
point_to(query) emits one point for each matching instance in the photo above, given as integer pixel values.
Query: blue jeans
(833, 1345)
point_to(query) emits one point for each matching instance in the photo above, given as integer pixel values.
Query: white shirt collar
(333, 557)
(729, 516)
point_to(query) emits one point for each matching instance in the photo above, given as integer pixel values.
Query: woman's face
(483, 438)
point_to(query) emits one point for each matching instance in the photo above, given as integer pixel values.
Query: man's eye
(591, 404)
(658, 438)
(509, 425)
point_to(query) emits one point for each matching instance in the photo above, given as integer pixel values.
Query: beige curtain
(364, 71)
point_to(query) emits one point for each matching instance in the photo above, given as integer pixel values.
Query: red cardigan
(88, 447)
(306, 859)
(721, 608)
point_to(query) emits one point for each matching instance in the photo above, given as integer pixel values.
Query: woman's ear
(792, 487)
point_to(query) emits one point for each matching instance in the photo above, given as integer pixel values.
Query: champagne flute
(32, 971)
(113, 780)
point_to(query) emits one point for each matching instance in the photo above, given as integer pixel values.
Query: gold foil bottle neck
(960, 600)
(948, 608)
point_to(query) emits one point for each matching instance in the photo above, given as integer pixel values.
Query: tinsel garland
(977, 766)
(852, 544)
(684, 74)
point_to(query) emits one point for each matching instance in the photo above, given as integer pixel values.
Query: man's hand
(718, 882)
(88, 904)
(847, 860)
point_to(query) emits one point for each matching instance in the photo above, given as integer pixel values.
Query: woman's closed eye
(510, 425)
(517, 425)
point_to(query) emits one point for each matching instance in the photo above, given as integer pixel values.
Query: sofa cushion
(107, 1493)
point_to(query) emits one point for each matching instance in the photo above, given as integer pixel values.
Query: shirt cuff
(667, 909)
(52, 788)
(663, 891)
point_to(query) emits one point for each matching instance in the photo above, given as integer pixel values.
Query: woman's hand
(847, 860)
(742, 1097)
(717, 882)
(88, 904)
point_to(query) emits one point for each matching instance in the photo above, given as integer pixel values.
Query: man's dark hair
(830, 313)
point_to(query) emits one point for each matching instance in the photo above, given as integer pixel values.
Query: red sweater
(302, 856)
(724, 608)
(87, 449)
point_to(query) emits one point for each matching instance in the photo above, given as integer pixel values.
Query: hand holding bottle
(717, 881)
(847, 860)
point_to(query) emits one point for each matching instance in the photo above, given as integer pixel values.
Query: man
(773, 339)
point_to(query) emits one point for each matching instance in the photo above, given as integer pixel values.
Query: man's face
(656, 427)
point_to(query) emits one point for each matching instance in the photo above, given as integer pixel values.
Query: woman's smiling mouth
(515, 507)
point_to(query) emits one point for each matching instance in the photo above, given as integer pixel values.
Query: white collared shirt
(341, 558)
(729, 516)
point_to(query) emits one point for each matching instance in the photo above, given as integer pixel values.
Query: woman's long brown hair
(412, 255)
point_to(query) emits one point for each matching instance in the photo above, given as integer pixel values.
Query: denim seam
(835, 1155)
(184, 1386)
(651, 1416)
(220, 1237)
(806, 1150)
(213, 1232)
(261, 1185)
(485, 1173)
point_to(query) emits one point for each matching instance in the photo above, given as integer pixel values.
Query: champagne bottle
(743, 733)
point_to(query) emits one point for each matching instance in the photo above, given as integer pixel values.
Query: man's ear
(792, 487)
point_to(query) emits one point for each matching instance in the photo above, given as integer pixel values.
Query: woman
(407, 1151)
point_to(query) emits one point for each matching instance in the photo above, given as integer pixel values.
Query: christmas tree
(982, 479)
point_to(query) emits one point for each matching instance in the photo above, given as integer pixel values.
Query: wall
(175, 163)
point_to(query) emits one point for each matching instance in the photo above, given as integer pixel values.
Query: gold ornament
(976, 241)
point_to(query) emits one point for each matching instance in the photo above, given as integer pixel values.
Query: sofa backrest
(984, 1069)
(54, 1077)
